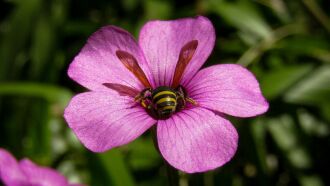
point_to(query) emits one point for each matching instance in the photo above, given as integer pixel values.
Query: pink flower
(26, 173)
(194, 137)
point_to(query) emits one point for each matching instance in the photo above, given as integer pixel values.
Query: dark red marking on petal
(186, 53)
(132, 65)
(122, 89)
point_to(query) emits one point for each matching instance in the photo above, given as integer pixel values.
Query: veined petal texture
(229, 89)
(103, 120)
(196, 140)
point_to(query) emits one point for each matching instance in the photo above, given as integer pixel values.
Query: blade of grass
(54, 94)
(20, 25)
(257, 50)
(114, 164)
(315, 9)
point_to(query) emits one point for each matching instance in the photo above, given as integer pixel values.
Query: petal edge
(161, 42)
(97, 62)
(104, 120)
(229, 89)
(196, 140)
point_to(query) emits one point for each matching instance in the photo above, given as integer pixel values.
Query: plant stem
(172, 173)
(316, 10)
(255, 51)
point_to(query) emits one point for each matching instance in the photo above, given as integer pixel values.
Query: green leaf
(116, 168)
(314, 46)
(277, 81)
(312, 125)
(54, 94)
(284, 133)
(157, 9)
(242, 15)
(310, 180)
(143, 154)
(258, 130)
(43, 44)
(20, 25)
(312, 90)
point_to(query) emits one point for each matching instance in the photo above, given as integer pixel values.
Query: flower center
(164, 101)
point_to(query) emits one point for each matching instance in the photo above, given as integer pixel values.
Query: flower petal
(97, 62)
(196, 140)
(229, 89)
(161, 42)
(103, 120)
(42, 176)
(10, 172)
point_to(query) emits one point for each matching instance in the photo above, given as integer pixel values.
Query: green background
(285, 43)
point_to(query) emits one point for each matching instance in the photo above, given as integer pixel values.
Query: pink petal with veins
(104, 120)
(97, 62)
(161, 42)
(196, 140)
(229, 89)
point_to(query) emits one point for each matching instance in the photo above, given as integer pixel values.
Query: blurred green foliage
(285, 43)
